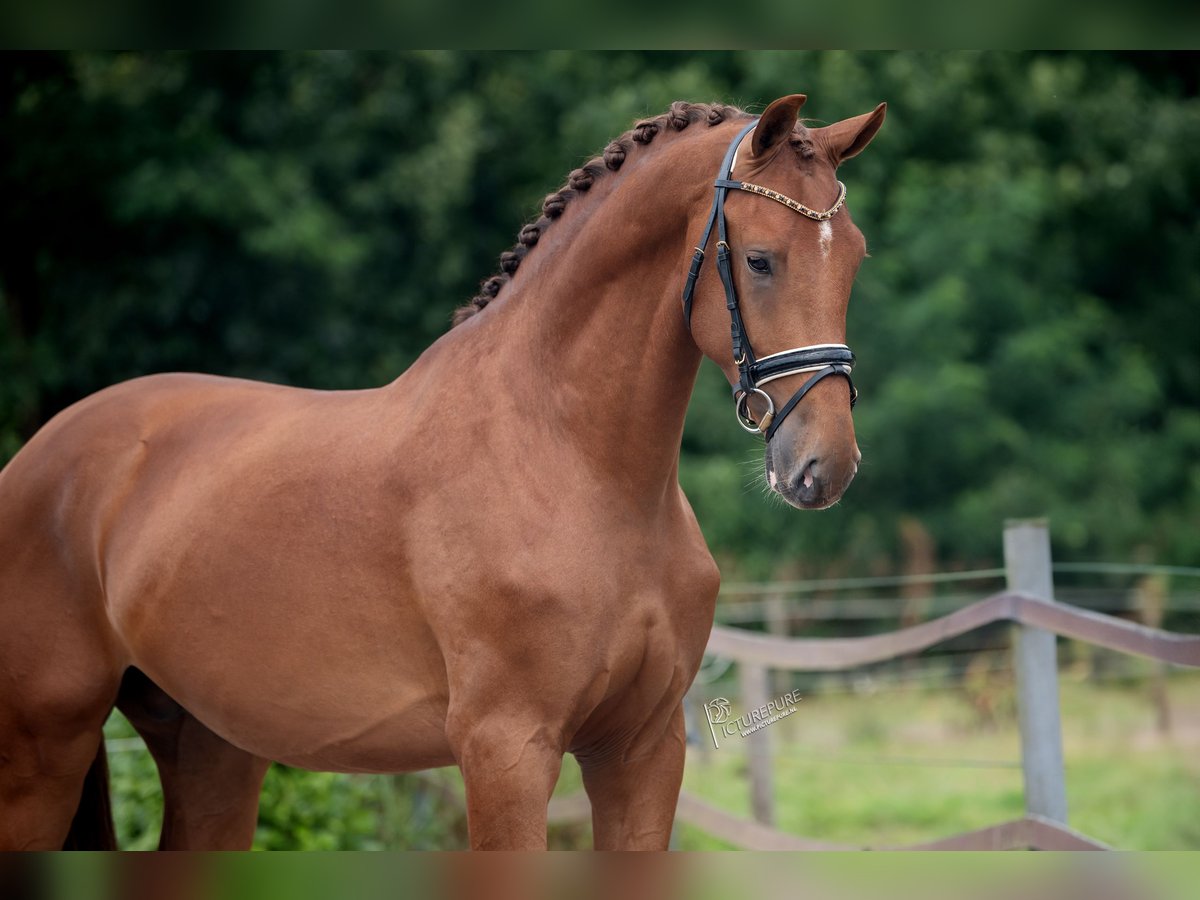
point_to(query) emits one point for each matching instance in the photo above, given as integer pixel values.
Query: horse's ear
(776, 123)
(850, 136)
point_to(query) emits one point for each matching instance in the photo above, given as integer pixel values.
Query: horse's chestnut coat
(488, 562)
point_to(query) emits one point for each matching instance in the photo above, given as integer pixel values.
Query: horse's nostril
(807, 478)
(805, 482)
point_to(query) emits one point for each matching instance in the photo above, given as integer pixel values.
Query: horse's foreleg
(510, 766)
(210, 787)
(633, 802)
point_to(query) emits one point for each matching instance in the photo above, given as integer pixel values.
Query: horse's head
(785, 283)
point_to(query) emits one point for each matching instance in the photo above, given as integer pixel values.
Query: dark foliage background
(1027, 325)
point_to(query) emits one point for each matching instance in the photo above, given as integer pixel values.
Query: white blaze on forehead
(826, 237)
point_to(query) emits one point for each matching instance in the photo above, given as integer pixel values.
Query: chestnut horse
(488, 562)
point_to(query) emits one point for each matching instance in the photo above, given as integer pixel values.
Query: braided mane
(677, 118)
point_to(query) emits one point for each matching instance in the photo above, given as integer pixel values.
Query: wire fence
(982, 653)
(886, 581)
(1147, 593)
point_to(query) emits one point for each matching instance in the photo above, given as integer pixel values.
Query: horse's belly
(329, 680)
(373, 730)
(402, 743)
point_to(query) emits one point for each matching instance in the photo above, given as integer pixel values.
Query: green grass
(857, 769)
(881, 769)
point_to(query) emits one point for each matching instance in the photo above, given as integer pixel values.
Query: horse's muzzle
(814, 482)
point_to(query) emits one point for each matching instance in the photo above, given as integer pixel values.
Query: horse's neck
(593, 329)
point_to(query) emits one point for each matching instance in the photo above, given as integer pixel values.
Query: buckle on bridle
(742, 408)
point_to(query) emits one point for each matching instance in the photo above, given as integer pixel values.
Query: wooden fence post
(775, 617)
(753, 680)
(1035, 658)
(696, 721)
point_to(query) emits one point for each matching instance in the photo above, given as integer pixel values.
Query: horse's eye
(758, 264)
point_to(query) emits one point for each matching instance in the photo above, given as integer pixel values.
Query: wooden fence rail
(1029, 604)
(838, 654)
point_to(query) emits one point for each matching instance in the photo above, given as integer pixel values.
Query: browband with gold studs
(816, 215)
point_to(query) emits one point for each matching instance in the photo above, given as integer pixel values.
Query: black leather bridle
(822, 360)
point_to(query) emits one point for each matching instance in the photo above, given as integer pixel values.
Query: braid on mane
(676, 118)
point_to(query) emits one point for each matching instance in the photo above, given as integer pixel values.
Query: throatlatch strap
(690, 286)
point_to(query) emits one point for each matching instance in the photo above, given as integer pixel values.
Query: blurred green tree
(1026, 328)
